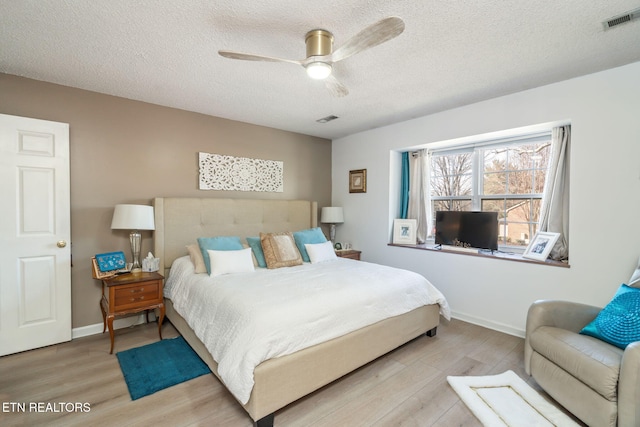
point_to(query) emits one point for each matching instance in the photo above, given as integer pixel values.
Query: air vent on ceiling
(327, 119)
(621, 19)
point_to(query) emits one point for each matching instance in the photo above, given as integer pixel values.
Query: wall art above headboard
(220, 172)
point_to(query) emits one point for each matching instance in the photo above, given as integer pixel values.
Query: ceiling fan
(320, 54)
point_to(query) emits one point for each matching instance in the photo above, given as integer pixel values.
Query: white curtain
(420, 192)
(554, 211)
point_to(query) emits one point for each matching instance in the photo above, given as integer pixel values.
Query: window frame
(477, 149)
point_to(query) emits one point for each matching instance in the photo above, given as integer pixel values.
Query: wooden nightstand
(349, 253)
(128, 294)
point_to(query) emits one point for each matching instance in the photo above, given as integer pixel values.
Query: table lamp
(332, 215)
(134, 218)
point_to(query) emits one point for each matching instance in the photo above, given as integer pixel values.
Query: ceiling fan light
(318, 70)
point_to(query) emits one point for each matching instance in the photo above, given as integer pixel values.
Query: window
(501, 176)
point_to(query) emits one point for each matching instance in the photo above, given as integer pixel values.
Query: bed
(281, 380)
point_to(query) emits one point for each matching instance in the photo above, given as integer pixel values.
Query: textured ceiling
(451, 53)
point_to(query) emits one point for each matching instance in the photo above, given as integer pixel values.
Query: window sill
(497, 255)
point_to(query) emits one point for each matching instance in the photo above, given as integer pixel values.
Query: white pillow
(320, 252)
(227, 262)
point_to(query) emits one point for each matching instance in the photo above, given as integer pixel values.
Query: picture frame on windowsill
(404, 231)
(541, 245)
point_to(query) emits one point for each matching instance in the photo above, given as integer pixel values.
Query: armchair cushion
(591, 361)
(619, 322)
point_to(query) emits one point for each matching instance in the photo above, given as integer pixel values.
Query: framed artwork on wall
(404, 231)
(358, 181)
(229, 173)
(540, 246)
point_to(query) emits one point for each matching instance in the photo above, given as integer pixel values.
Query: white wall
(604, 111)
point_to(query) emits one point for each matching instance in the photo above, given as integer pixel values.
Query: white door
(35, 232)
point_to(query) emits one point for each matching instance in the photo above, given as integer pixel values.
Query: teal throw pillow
(256, 247)
(219, 243)
(309, 236)
(619, 322)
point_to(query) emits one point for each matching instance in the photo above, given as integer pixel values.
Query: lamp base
(135, 238)
(332, 233)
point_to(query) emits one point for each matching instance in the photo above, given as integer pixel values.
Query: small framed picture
(404, 231)
(358, 181)
(96, 273)
(540, 247)
(110, 261)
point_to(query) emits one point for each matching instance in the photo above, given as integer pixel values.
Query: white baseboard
(124, 322)
(496, 326)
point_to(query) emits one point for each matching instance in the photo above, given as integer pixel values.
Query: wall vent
(621, 19)
(327, 119)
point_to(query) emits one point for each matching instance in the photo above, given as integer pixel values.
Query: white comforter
(247, 318)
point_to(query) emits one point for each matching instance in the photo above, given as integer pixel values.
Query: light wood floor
(406, 387)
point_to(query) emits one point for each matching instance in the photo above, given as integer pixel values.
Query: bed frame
(281, 381)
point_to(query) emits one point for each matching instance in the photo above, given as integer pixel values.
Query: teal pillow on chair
(256, 247)
(220, 243)
(619, 322)
(309, 236)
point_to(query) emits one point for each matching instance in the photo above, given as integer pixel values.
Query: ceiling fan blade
(335, 87)
(371, 36)
(249, 57)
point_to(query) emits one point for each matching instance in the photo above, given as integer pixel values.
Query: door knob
(61, 243)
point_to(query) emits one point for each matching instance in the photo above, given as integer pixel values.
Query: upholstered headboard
(180, 221)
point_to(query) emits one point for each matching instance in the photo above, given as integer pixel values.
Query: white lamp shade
(133, 217)
(332, 215)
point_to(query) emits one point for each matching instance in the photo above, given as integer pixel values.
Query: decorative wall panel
(220, 172)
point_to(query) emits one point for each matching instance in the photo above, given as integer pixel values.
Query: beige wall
(124, 151)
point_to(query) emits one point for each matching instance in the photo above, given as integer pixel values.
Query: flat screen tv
(467, 229)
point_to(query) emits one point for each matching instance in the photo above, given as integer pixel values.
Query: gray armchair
(597, 382)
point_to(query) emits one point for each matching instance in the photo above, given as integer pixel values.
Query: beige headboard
(180, 221)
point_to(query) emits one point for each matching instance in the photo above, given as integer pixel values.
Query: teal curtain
(404, 186)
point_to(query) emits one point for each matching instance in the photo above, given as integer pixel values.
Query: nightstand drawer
(136, 295)
(349, 253)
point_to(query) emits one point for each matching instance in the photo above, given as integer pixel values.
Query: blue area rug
(157, 366)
